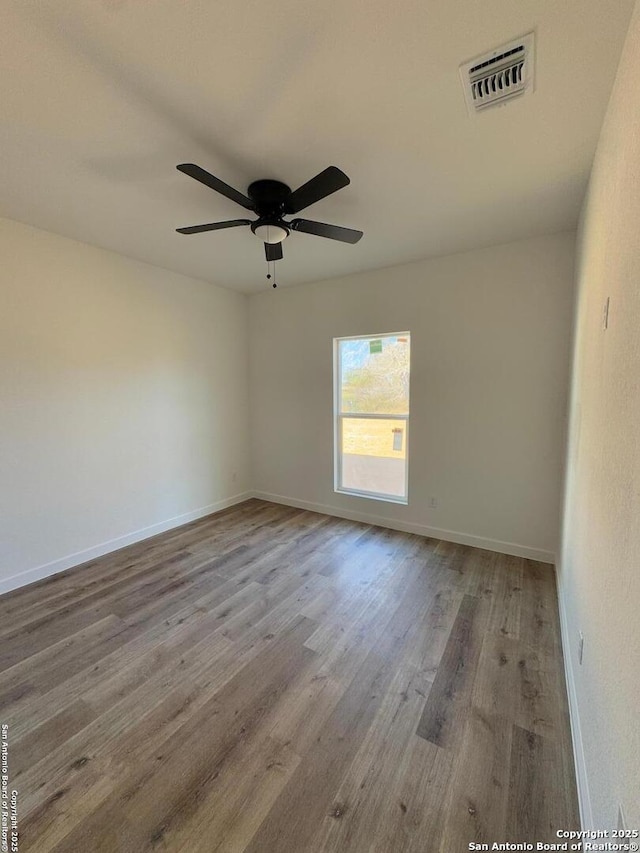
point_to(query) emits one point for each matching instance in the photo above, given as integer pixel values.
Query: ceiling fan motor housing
(269, 199)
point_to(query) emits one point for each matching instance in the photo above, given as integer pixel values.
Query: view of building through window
(372, 415)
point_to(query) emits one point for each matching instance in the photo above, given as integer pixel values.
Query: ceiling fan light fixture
(270, 233)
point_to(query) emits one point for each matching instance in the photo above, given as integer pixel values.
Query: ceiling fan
(271, 201)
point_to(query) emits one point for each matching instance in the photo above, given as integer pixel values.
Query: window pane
(374, 375)
(374, 455)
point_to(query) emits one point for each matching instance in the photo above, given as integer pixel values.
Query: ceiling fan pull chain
(273, 270)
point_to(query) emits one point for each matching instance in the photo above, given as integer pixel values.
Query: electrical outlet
(605, 315)
(433, 503)
(580, 648)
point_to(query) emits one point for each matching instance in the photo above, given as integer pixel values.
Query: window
(372, 416)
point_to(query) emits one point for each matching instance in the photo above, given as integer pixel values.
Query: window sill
(372, 496)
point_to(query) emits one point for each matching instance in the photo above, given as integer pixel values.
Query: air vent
(499, 76)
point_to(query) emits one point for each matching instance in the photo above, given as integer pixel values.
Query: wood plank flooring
(273, 680)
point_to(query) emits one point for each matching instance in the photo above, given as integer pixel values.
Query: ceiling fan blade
(214, 183)
(321, 229)
(213, 226)
(327, 182)
(273, 251)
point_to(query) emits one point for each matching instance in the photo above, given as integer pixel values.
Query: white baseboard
(63, 563)
(582, 780)
(510, 548)
(71, 560)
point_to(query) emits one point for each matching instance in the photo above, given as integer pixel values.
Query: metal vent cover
(500, 75)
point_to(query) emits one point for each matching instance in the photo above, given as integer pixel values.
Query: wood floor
(272, 680)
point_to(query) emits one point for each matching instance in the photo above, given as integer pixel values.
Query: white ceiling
(100, 99)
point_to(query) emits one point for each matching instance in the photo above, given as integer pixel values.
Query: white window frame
(339, 417)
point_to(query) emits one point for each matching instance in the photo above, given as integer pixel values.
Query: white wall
(490, 354)
(600, 566)
(123, 401)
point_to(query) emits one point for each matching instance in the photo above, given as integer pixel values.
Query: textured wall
(123, 399)
(600, 566)
(490, 345)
